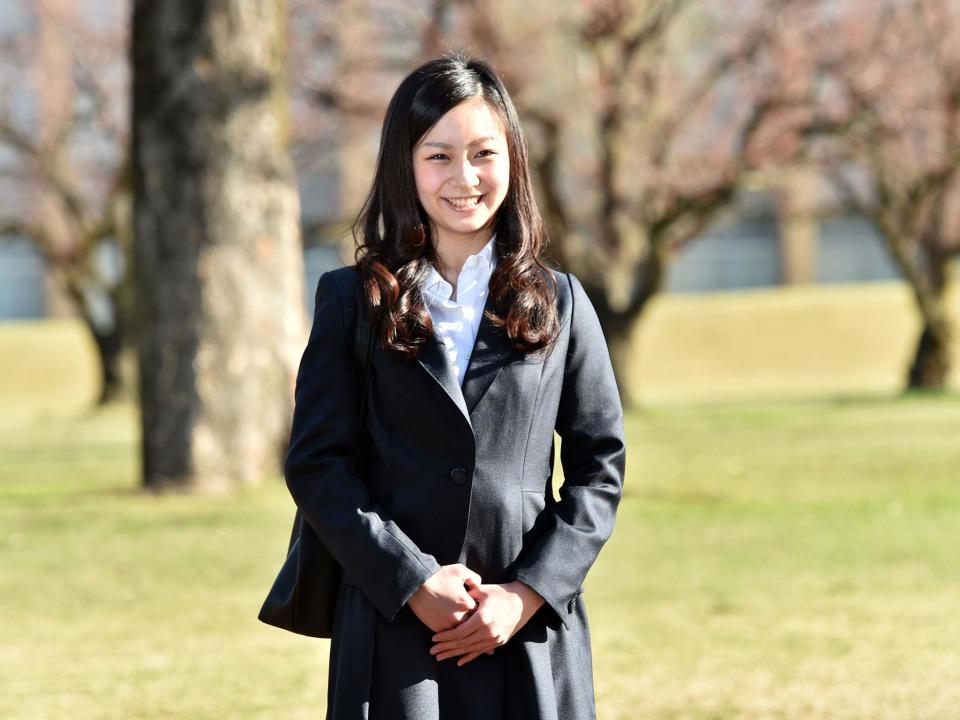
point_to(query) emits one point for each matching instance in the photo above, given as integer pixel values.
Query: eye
(441, 155)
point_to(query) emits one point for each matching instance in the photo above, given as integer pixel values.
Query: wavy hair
(393, 233)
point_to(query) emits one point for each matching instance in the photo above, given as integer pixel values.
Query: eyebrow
(447, 146)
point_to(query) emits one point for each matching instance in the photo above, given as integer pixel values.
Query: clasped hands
(469, 618)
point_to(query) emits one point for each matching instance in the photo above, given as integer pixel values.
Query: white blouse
(457, 321)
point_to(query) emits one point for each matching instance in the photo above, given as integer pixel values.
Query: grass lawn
(791, 560)
(785, 561)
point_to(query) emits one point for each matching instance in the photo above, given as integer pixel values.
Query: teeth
(463, 202)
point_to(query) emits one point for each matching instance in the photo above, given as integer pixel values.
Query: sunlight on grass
(776, 343)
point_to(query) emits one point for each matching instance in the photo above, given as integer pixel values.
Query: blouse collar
(480, 265)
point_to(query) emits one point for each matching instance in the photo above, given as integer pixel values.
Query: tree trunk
(218, 259)
(109, 344)
(931, 360)
(619, 323)
(100, 312)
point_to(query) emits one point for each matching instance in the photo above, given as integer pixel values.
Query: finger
(466, 642)
(464, 608)
(467, 627)
(479, 634)
(477, 647)
(470, 575)
(466, 614)
(480, 646)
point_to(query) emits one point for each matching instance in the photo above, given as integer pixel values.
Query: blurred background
(762, 199)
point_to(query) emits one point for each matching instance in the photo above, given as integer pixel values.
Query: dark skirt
(381, 670)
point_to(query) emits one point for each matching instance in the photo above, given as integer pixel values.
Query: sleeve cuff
(411, 582)
(554, 610)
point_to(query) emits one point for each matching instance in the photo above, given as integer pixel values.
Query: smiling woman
(462, 187)
(462, 576)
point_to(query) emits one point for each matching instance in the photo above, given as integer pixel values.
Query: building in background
(750, 246)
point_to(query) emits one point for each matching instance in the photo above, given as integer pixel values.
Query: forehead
(472, 122)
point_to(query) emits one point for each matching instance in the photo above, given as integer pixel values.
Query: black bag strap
(364, 335)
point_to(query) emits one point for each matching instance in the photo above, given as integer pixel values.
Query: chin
(471, 226)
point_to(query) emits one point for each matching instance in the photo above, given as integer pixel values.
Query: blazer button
(458, 475)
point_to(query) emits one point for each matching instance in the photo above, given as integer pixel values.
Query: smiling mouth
(461, 203)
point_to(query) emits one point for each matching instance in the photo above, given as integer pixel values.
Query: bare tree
(646, 120)
(682, 104)
(346, 59)
(65, 166)
(219, 264)
(888, 135)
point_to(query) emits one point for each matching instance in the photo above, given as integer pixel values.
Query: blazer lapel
(433, 358)
(491, 351)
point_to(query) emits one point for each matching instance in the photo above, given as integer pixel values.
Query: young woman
(461, 573)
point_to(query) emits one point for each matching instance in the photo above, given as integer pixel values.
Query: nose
(465, 176)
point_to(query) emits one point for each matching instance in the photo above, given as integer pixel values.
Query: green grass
(772, 560)
(785, 561)
(775, 343)
(118, 604)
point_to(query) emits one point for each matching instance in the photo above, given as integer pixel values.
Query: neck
(452, 253)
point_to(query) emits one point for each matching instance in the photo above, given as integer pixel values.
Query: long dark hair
(393, 233)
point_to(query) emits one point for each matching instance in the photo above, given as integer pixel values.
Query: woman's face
(462, 170)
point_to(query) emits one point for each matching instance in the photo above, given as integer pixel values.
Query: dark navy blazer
(461, 477)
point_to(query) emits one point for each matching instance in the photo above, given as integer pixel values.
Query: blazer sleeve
(593, 457)
(385, 563)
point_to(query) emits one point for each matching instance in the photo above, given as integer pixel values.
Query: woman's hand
(443, 601)
(501, 611)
